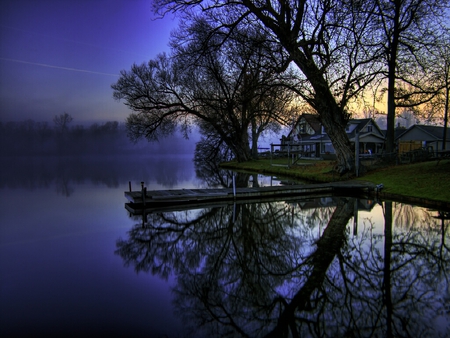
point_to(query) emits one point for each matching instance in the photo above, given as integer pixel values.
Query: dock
(168, 199)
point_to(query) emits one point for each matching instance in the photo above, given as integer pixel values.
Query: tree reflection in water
(269, 269)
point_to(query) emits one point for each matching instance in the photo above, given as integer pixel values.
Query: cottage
(310, 139)
(421, 136)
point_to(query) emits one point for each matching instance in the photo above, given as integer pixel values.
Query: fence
(407, 146)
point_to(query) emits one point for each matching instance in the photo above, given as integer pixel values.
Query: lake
(73, 261)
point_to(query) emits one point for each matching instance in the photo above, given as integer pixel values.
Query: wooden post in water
(144, 192)
(129, 186)
(144, 195)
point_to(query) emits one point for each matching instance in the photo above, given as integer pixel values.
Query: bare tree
(62, 122)
(225, 83)
(329, 43)
(408, 31)
(438, 107)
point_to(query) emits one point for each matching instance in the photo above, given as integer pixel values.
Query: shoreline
(423, 179)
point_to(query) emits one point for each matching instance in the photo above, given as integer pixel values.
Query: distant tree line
(36, 138)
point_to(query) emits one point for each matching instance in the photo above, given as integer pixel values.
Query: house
(310, 139)
(421, 136)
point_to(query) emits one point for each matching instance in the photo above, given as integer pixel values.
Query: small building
(421, 136)
(308, 137)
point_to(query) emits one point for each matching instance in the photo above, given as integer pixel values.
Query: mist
(31, 138)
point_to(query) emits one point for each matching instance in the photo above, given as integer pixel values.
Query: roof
(314, 122)
(435, 132)
(361, 123)
(311, 119)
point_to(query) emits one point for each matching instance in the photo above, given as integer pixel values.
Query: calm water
(73, 261)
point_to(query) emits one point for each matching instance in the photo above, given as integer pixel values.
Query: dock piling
(144, 194)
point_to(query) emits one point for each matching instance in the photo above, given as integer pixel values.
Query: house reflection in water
(300, 268)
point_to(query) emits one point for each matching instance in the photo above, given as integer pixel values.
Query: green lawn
(427, 180)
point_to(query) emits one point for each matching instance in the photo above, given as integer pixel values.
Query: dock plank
(196, 195)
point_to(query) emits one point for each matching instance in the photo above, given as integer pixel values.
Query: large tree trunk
(333, 117)
(446, 108)
(239, 145)
(334, 123)
(392, 64)
(390, 132)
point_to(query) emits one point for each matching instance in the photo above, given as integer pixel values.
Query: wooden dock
(166, 199)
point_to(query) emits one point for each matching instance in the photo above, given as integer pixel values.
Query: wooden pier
(167, 199)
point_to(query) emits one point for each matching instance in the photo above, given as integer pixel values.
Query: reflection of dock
(166, 199)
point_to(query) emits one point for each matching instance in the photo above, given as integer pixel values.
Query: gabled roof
(314, 122)
(435, 132)
(311, 119)
(361, 124)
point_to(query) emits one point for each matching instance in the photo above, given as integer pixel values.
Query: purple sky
(60, 56)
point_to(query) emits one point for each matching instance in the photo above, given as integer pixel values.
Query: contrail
(75, 41)
(58, 67)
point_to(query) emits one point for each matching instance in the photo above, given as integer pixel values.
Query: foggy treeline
(32, 138)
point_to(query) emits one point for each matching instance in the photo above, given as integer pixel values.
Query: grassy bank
(427, 180)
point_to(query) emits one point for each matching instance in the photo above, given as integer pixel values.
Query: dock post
(129, 186)
(144, 195)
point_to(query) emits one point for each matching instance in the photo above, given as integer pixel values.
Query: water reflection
(333, 267)
(32, 173)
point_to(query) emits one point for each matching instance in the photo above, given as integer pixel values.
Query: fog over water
(31, 138)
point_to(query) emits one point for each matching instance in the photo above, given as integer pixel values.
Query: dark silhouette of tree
(437, 109)
(62, 122)
(410, 31)
(226, 84)
(329, 42)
